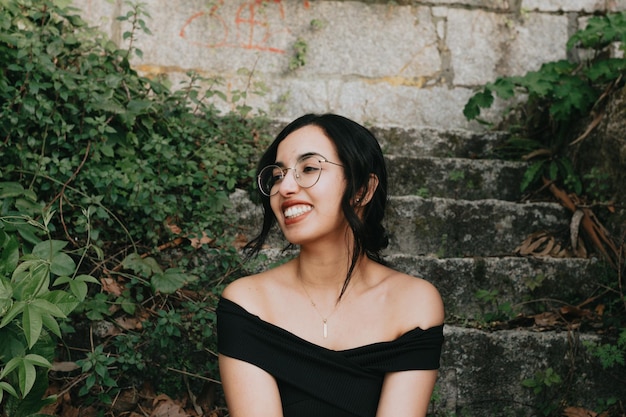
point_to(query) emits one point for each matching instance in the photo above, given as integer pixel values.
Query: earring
(358, 200)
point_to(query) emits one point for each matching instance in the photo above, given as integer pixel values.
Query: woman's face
(310, 214)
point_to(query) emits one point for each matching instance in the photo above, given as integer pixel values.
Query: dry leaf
(173, 227)
(541, 244)
(109, 285)
(578, 412)
(127, 400)
(64, 366)
(165, 407)
(129, 323)
(198, 242)
(240, 241)
(600, 310)
(546, 319)
(574, 227)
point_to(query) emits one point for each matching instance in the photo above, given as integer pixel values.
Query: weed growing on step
(544, 123)
(441, 252)
(558, 95)
(543, 384)
(456, 176)
(492, 309)
(534, 282)
(597, 188)
(423, 192)
(610, 354)
(434, 409)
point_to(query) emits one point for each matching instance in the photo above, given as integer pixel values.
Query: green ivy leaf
(533, 172)
(31, 324)
(504, 87)
(62, 264)
(144, 266)
(606, 70)
(9, 254)
(78, 285)
(6, 387)
(6, 296)
(27, 372)
(46, 307)
(46, 249)
(482, 99)
(170, 281)
(31, 279)
(553, 171)
(10, 189)
(51, 324)
(62, 302)
(13, 312)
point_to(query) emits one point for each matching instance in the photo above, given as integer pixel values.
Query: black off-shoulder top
(313, 380)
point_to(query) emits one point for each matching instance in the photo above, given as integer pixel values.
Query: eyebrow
(304, 155)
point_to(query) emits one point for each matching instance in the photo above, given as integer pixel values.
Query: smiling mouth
(295, 211)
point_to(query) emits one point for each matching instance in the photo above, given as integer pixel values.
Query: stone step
(482, 372)
(460, 178)
(429, 141)
(529, 285)
(458, 228)
(442, 143)
(441, 227)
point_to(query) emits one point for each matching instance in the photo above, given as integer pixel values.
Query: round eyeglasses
(306, 172)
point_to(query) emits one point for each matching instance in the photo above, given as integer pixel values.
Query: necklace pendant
(325, 329)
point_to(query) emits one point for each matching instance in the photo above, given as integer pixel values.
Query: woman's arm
(406, 393)
(249, 390)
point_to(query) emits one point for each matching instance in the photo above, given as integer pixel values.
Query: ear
(365, 194)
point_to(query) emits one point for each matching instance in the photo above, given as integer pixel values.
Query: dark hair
(360, 154)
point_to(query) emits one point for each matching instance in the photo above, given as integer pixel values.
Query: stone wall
(401, 64)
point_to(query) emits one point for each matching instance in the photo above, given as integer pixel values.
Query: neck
(322, 271)
(322, 281)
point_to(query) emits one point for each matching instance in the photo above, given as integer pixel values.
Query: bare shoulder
(254, 292)
(416, 301)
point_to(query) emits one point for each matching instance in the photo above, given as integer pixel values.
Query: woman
(332, 332)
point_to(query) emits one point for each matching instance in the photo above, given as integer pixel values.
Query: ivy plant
(39, 285)
(135, 169)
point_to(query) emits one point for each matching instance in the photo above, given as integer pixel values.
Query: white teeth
(295, 211)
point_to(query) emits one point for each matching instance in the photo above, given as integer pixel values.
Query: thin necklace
(324, 319)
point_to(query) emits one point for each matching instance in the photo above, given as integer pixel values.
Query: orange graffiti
(252, 28)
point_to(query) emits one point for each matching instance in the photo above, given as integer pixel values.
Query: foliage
(557, 96)
(139, 175)
(544, 119)
(298, 60)
(493, 310)
(541, 384)
(610, 355)
(39, 285)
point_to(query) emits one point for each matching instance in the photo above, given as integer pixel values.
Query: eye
(277, 174)
(309, 165)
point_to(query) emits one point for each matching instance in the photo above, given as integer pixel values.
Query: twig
(62, 192)
(194, 375)
(74, 382)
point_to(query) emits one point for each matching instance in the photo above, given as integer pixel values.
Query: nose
(289, 185)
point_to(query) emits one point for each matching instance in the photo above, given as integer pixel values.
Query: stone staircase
(455, 218)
